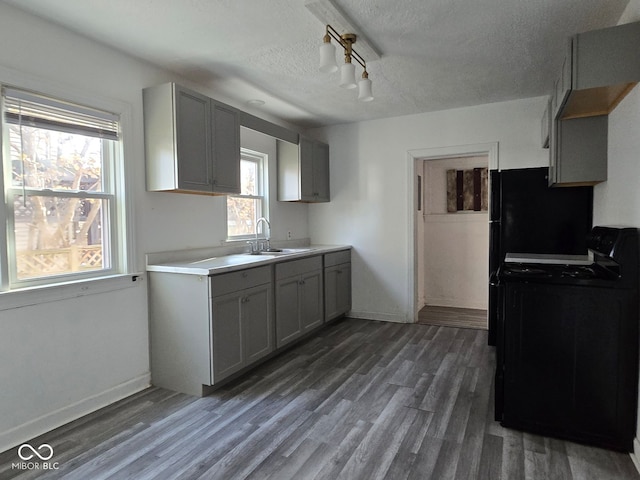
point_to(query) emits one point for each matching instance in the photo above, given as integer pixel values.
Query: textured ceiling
(435, 54)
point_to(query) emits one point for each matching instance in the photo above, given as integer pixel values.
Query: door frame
(420, 155)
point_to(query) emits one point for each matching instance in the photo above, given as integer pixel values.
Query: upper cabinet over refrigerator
(599, 69)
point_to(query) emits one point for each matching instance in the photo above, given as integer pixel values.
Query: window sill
(25, 297)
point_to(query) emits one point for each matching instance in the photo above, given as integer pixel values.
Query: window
(61, 208)
(245, 209)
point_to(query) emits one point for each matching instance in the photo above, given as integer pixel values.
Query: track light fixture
(328, 62)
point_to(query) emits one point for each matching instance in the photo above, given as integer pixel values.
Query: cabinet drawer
(336, 258)
(240, 280)
(298, 267)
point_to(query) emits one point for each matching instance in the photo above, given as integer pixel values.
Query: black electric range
(560, 269)
(567, 341)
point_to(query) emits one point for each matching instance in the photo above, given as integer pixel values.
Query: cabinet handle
(244, 274)
(301, 282)
(338, 272)
(244, 300)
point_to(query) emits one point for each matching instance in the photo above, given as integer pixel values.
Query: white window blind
(29, 109)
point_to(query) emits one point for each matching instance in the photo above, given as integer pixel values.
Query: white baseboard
(457, 303)
(37, 426)
(635, 453)
(384, 317)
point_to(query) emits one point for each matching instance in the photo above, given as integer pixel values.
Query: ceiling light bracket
(346, 41)
(347, 71)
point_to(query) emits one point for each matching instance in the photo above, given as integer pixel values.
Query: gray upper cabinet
(578, 150)
(562, 86)
(303, 171)
(192, 142)
(600, 68)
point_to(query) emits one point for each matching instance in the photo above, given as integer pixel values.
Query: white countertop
(228, 263)
(549, 259)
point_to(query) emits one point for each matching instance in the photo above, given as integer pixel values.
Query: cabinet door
(193, 142)
(321, 190)
(257, 323)
(226, 149)
(311, 308)
(287, 311)
(563, 85)
(331, 292)
(343, 293)
(337, 290)
(227, 341)
(581, 145)
(306, 148)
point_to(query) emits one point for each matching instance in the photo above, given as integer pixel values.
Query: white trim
(383, 317)
(262, 181)
(489, 149)
(25, 297)
(125, 171)
(49, 421)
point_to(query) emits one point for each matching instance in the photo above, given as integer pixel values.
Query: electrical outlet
(289, 235)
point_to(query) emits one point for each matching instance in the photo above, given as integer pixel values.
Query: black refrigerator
(528, 216)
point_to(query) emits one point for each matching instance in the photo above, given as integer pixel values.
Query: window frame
(118, 241)
(263, 186)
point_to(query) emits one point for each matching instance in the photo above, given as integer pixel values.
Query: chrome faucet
(266, 245)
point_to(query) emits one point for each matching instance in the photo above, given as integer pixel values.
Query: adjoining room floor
(359, 400)
(453, 317)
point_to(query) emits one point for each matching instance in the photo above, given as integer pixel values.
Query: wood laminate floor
(360, 400)
(453, 317)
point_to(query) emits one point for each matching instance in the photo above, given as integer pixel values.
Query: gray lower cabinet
(192, 142)
(204, 329)
(337, 284)
(299, 298)
(242, 329)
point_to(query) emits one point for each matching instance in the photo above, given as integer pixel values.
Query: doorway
(450, 248)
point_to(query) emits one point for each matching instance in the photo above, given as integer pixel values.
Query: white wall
(617, 201)
(66, 357)
(371, 189)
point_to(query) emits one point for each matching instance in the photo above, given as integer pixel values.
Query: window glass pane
(249, 178)
(58, 235)
(242, 214)
(55, 160)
